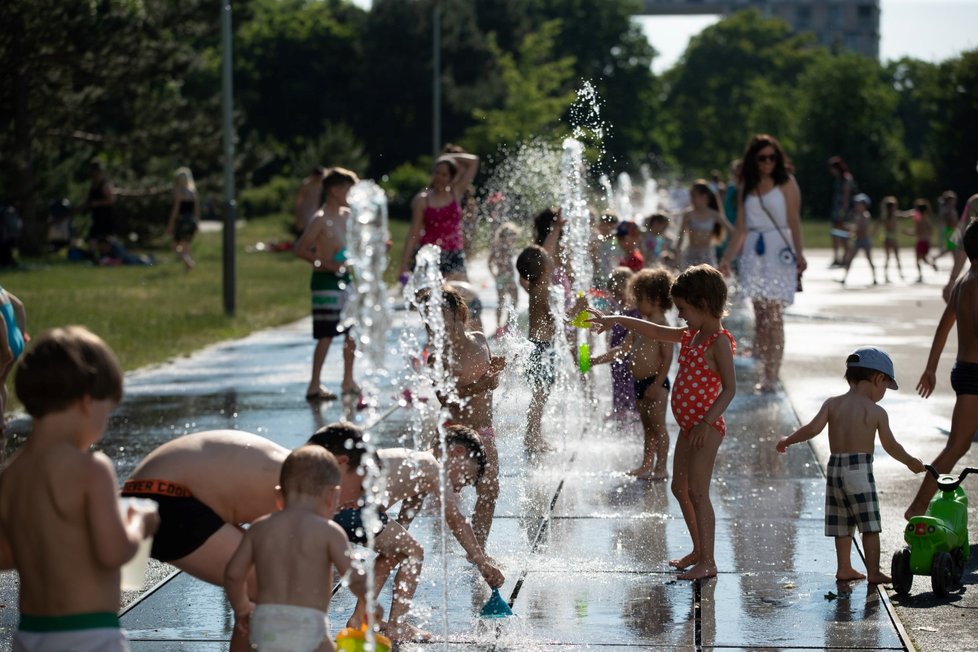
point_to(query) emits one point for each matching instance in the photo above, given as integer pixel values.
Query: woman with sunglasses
(767, 237)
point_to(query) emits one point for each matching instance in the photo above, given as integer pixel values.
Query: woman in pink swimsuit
(436, 215)
(705, 385)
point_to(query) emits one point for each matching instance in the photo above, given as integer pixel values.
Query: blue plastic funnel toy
(496, 607)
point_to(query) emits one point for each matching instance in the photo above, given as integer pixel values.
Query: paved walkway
(583, 546)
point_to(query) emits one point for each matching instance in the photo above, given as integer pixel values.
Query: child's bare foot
(683, 562)
(406, 632)
(879, 578)
(849, 575)
(699, 572)
(641, 472)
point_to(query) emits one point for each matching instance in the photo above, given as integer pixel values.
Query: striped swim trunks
(329, 295)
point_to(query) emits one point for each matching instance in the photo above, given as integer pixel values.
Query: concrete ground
(583, 546)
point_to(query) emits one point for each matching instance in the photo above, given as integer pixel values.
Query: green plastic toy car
(937, 543)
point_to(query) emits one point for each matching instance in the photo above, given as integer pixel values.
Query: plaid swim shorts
(850, 495)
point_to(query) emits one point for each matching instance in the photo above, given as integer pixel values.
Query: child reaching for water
(650, 360)
(475, 372)
(705, 385)
(501, 256)
(853, 419)
(292, 553)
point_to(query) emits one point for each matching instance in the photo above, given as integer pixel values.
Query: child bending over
(60, 524)
(853, 419)
(650, 361)
(705, 385)
(962, 307)
(475, 372)
(293, 553)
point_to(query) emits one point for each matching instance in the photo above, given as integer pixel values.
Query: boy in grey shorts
(854, 419)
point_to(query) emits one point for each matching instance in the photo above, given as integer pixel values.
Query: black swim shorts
(185, 522)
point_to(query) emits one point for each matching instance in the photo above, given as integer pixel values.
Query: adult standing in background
(100, 203)
(843, 190)
(308, 200)
(436, 214)
(767, 236)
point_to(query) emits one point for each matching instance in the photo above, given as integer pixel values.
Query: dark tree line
(137, 84)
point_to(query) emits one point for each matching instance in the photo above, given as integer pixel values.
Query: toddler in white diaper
(293, 553)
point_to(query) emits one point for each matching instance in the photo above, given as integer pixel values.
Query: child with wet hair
(535, 265)
(60, 524)
(408, 476)
(292, 553)
(705, 385)
(960, 310)
(650, 360)
(475, 373)
(854, 419)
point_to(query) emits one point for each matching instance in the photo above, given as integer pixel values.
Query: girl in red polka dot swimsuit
(705, 385)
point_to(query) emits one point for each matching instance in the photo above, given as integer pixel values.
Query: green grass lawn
(151, 314)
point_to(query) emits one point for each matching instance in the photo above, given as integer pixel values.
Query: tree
(735, 78)
(538, 91)
(66, 90)
(953, 146)
(848, 109)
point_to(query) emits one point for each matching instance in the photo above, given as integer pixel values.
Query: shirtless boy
(60, 523)
(650, 361)
(962, 308)
(409, 476)
(323, 244)
(535, 265)
(208, 484)
(293, 553)
(476, 373)
(854, 419)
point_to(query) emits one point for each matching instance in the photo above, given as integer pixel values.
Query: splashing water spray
(427, 281)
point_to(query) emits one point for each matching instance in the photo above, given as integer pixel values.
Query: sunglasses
(764, 158)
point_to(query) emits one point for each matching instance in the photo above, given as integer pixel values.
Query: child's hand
(598, 320)
(497, 363)
(151, 523)
(916, 465)
(925, 386)
(697, 436)
(492, 377)
(492, 575)
(782, 444)
(242, 619)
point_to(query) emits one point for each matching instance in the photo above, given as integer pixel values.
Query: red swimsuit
(697, 386)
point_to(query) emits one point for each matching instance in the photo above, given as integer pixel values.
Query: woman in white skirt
(767, 236)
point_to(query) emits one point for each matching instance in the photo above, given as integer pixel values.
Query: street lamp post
(436, 80)
(229, 203)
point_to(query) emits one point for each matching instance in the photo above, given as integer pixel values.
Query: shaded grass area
(151, 314)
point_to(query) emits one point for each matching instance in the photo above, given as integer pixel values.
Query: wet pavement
(583, 546)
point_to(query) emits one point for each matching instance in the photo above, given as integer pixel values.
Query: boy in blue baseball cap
(854, 419)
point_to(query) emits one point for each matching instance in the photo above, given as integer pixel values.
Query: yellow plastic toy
(354, 640)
